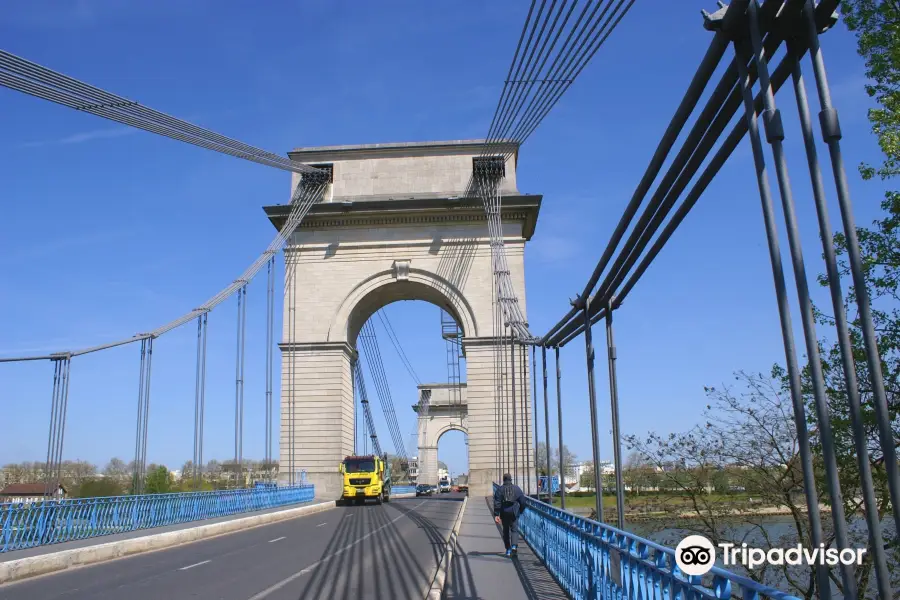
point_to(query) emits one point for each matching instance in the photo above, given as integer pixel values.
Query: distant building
(30, 492)
(413, 471)
(573, 482)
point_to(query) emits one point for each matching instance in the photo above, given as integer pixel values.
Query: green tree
(96, 488)
(159, 480)
(586, 481)
(877, 27)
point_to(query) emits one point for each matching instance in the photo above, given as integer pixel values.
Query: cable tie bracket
(774, 126)
(831, 126)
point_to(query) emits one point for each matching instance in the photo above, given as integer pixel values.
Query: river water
(776, 531)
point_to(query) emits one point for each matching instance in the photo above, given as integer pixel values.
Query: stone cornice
(369, 213)
(317, 347)
(363, 151)
(489, 341)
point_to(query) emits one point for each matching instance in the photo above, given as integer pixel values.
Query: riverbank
(671, 507)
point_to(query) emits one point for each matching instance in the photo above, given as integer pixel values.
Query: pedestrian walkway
(480, 570)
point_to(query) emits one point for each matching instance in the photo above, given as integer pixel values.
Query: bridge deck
(391, 551)
(480, 570)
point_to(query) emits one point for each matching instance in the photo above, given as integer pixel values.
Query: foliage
(96, 488)
(190, 485)
(764, 463)
(78, 474)
(75, 472)
(760, 473)
(398, 472)
(639, 474)
(877, 26)
(117, 470)
(187, 470)
(586, 481)
(72, 473)
(159, 480)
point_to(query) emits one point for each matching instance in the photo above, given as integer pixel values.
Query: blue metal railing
(25, 525)
(591, 560)
(403, 489)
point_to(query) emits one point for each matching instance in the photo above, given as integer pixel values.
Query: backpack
(507, 495)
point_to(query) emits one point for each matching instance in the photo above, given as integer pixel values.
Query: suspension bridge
(445, 222)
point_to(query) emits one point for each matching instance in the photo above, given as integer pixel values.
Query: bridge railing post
(614, 405)
(592, 398)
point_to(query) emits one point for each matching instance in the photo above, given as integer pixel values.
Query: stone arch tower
(395, 224)
(447, 411)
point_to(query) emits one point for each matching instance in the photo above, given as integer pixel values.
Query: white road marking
(321, 524)
(194, 565)
(277, 539)
(311, 567)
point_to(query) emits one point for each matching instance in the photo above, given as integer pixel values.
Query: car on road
(423, 489)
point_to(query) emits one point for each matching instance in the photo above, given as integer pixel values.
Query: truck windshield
(359, 465)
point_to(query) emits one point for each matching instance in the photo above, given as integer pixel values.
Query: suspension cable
(369, 343)
(395, 341)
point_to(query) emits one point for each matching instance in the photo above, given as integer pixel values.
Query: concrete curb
(436, 591)
(32, 566)
(400, 496)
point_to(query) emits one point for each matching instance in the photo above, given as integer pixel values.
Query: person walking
(509, 503)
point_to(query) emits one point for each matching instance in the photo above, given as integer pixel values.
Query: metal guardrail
(591, 560)
(403, 489)
(26, 525)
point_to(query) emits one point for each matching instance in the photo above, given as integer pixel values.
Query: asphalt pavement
(388, 551)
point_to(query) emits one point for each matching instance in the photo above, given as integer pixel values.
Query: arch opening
(398, 347)
(387, 287)
(453, 455)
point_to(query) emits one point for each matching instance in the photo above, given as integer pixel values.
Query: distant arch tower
(442, 407)
(395, 224)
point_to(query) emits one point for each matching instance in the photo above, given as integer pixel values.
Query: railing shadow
(383, 565)
(537, 582)
(435, 536)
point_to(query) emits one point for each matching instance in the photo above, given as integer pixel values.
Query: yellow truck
(366, 477)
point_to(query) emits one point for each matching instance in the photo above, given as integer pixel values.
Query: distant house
(30, 492)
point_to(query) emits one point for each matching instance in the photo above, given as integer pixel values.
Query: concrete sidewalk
(481, 571)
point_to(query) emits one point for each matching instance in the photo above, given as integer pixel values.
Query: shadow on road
(389, 563)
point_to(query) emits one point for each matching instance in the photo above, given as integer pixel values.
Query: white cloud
(82, 137)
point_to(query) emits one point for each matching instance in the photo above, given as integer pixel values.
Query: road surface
(388, 551)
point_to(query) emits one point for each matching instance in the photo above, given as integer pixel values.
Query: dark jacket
(509, 499)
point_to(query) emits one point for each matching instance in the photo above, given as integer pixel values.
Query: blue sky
(107, 231)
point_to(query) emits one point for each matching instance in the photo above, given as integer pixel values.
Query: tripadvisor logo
(696, 555)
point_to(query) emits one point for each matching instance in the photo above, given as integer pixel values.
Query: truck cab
(444, 485)
(365, 477)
